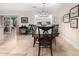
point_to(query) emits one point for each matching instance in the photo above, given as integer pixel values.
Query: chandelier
(43, 11)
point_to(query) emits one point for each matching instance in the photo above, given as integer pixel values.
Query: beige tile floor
(23, 47)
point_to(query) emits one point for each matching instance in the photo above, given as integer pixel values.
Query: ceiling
(53, 8)
(29, 6)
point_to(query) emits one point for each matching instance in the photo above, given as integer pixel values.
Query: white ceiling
(29, 6)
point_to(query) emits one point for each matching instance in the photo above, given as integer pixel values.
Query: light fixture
(43, 11)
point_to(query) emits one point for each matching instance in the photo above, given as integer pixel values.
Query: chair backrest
(56, 30)
(34, 28)
(46, 32)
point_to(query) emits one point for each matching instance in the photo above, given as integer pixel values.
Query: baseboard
(68, 41)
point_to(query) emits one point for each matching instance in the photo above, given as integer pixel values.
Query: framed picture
(74, 12)
(24, 19)
(74, 23)
(66, 18)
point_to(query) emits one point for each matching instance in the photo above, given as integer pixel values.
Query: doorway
(9, 27)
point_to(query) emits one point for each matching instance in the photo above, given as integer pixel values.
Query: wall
(19, 14)
(1, 34)
(1, 31)
(69, 34)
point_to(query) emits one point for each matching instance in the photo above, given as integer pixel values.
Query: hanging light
(44, 11)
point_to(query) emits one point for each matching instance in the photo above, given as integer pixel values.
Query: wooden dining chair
(55, 32)
(45, 38)
(34, 28)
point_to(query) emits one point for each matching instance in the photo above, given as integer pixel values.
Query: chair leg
(51, 50)
(34, 42)
(39, 51)
(55, 41)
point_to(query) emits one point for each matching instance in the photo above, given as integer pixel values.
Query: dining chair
(55, 32)
(45, 38)
(34, 28)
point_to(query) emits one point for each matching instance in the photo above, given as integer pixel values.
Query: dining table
(55, 34)
(36, 37)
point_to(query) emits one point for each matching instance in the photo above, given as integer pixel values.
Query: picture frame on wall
(24, 19)
(74, 23)
(74, 12)
(66, 18)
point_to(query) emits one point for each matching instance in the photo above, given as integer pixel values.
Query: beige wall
(19, 14)
(69, 34)
(1, 34)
